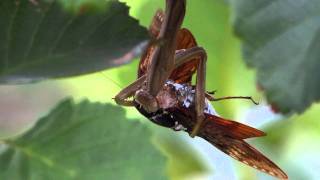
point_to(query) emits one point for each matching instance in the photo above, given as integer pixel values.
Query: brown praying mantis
(164, 94)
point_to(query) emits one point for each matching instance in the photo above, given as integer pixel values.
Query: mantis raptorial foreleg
(122, 97)
(181, 57)
(184, 56)
(162, 59)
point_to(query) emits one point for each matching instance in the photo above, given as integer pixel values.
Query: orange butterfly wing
(228, 137)
(183, 73)
(154, 31)
(185, 40)
(230, 128)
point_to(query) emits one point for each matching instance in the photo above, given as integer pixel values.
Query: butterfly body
(174, 97)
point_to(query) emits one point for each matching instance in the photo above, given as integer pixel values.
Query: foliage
(40, 40)
(281, 40)
(82, 141)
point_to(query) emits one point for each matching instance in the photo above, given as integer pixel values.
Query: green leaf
(281, 39)
(226, 71)
(43, 40)
(83, 141)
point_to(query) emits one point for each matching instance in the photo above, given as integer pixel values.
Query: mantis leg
(129, 91)
(162, 59)
(200, 93)
(200, 96)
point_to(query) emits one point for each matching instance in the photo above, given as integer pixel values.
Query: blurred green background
(291, 142)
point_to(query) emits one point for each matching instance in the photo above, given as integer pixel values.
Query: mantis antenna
(110, 79)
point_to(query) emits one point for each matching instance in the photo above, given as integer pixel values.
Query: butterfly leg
(211, 98)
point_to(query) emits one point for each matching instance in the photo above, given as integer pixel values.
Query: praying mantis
(164, 92)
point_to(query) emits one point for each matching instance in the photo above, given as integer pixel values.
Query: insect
(164, 94)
